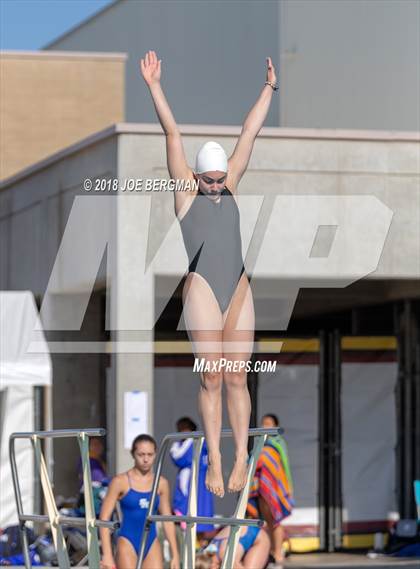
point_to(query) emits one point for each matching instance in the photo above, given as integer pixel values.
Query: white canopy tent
(20, 372)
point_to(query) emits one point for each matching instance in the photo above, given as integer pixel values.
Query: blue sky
(31, 24)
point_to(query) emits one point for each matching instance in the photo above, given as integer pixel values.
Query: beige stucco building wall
(49, 100)
(35, 224)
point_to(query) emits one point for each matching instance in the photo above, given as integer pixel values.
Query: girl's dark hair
(186, 423)
(142, 439)
(273, 417)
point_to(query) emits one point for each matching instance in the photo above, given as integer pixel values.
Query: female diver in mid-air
(217, 298)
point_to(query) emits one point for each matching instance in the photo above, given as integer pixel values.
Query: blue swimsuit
(247, 540)
(134, 506)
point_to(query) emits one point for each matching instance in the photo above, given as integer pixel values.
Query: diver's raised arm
(238, 162)
(150, 68)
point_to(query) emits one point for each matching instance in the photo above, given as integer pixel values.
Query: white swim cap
(211, 157)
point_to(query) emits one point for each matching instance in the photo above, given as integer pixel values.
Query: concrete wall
(307, 163)
(79, 392)
(341, 64)
(33, 217)
(146, 243)
(51, 100)
(213, 54)
(350, 64)
(34, 208)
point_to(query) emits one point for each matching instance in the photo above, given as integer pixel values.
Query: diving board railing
(56, 520)
(191, 519)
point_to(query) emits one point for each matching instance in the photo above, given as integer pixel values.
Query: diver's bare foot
(237, 479)
(214, 476)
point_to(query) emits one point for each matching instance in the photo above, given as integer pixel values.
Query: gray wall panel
(213, 54)
(342, 64)
(350, 64)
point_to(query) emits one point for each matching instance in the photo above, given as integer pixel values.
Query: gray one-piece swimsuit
(212, 239)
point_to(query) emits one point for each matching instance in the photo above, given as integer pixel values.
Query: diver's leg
(203, 320)
(238, 341)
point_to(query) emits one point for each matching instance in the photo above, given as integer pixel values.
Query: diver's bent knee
(235, 378)
(211, 379)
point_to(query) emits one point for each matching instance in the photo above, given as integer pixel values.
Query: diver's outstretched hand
(150, 68)
(271, 72)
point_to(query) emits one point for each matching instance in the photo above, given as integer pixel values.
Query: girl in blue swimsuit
(133, 490)
(217, 300)
(252, 551)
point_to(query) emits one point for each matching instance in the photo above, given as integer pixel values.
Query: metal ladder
(55, 520)
(191, 519)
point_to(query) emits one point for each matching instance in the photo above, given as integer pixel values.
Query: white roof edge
(11, 54)
(213, 130)
(277, 132)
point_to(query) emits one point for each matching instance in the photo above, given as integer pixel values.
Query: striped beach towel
(272, 481)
